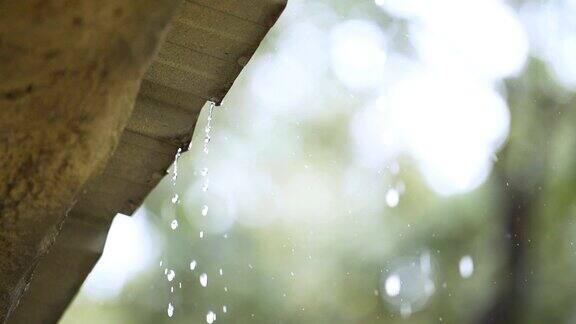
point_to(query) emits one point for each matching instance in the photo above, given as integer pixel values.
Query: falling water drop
(392, 198)
(201, 234)
(204, 280)
(175, 199)
(221, 272)
(171, 274)
(208, 127)
(393, 285)
(175, 169)
(205, 210)
(204, 172)
(170, 310)
(224, 309)
(193, 265)
(466, 266)
(210, 317)
(410, 283)
(174, 224)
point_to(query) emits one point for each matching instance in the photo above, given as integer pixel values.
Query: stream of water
(205, 179)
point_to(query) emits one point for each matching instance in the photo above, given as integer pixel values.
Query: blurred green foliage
(309, 237)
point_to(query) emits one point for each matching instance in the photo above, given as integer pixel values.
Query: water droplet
(175, 199)
(179, 284)
(201, 234)
(409, 284)
(466, 266)
(175, 169)
(204, 172)
(221, 272)
(392, 198)
(171, 274)
(170, 310)
(172, 289)
(225, 289)
(208, 128)
(205, 210)
(224, 309)
(210, 317)
(204, 280)
(161, 262)
(393, 285)
(174, 224)
(193, 265)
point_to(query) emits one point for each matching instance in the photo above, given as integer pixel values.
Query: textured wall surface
(69, 74)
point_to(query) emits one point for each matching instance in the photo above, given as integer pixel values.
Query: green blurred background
(378, 161)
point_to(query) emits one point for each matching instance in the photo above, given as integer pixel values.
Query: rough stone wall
(69, 74)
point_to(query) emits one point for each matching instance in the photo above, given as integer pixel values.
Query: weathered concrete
(69, 73)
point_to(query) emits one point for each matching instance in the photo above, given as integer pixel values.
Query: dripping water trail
(175, 199)
(204, 210)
